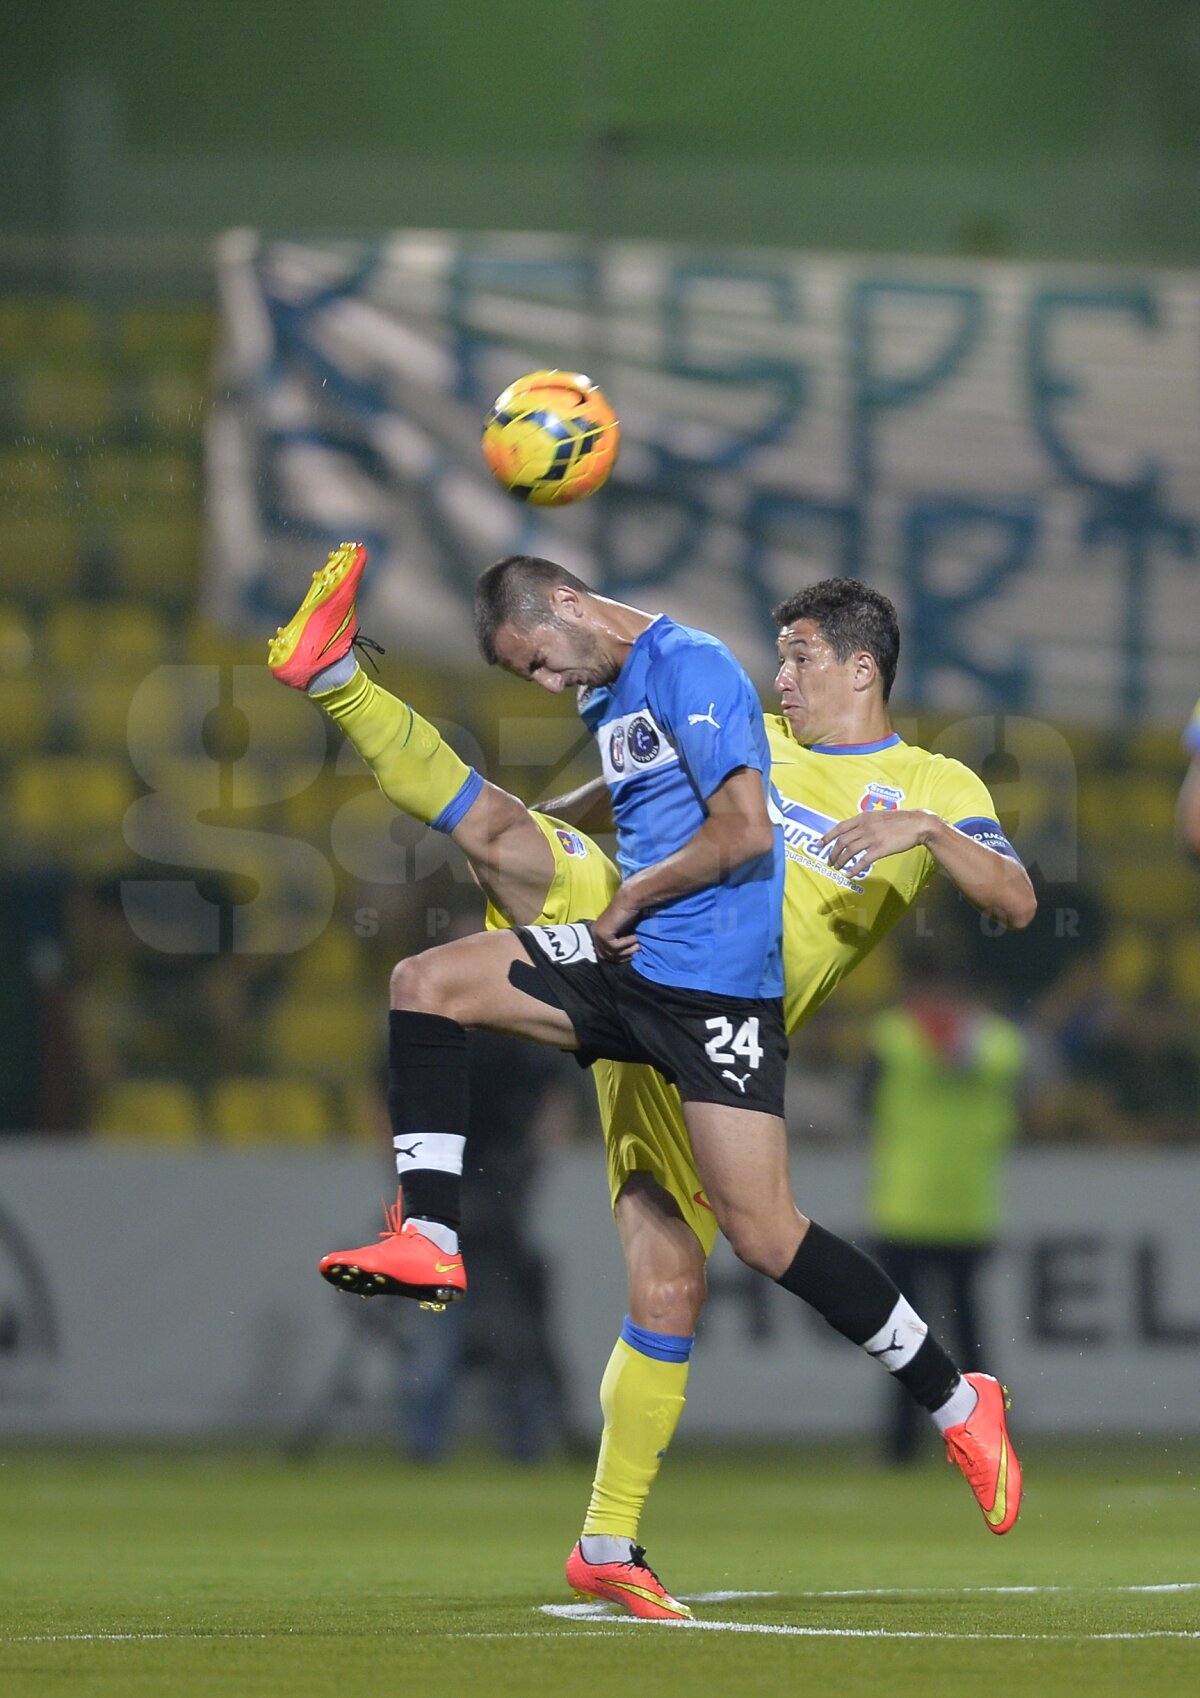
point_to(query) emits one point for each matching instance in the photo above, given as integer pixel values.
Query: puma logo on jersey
(409, 1150)
(705, 718)
(740, 1080)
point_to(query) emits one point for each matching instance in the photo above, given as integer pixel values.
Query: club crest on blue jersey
(643, 741)
(571, 841)
(616, 748)
(877, 796)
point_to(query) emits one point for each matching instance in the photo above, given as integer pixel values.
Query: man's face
(557, 655)
(816, 689)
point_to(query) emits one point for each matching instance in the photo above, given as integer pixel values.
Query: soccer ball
(551, 438)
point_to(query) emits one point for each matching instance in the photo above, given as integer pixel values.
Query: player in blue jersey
(682, 970)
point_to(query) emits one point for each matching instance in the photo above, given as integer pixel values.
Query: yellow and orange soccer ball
(551, 438)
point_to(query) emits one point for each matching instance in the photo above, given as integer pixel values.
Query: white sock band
(442, 1151)
(958, 1407)
(899, 1338)
(331, 677)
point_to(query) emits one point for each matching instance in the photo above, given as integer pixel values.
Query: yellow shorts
(641, 1114)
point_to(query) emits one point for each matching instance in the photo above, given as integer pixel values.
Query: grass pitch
(124, 1574)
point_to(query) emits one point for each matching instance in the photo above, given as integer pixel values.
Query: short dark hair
(851, 617)
(516, 591)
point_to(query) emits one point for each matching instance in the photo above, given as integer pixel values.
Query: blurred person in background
(1189, 793)
(39, 1079)
(944, 1078)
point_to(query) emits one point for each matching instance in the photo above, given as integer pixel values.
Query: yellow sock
(416, 770)
(642, 1398)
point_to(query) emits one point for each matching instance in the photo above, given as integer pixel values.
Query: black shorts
(716, 1049)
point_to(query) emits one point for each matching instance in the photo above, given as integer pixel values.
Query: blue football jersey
(680, 718)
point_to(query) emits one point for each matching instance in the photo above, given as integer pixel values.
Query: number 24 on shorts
(727, 1046)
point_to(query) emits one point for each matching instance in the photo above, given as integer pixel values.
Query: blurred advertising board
(163, 1293)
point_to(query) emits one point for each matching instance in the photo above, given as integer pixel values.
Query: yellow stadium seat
(311, 802)
(42, 556)
(26, 717)
(275, 722)
(68, 400)
(180, 333)
(97, 711)
(30, 325)
(67, 326)
(71, 807)
(1132, 959)
(1184, 968)
(330, 964)
(1157, 747)
(18, 327)
(1148, 890)
(116, 636)
(16, 642)
(123, 483)
(338, 1039)
(152, 1111)
(260, 1111)
(1119, 805)
(209, 645)
(157, 557)
(35, 481)
(172, 401)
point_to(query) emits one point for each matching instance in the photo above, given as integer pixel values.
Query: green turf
(358, 1577)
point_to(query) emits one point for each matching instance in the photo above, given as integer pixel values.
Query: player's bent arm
(589, 807)
(737, 829)
(1188, 812)
(991, 881)
(508, 853)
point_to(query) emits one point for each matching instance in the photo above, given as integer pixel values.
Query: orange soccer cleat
(404, 1263)
(632, 1584)
(981, 1447)
(324, 625)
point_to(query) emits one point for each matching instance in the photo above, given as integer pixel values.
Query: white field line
(602, 1620)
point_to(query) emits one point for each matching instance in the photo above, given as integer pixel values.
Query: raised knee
(767, 1252)
(415, 984)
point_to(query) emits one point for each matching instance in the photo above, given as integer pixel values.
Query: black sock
(428, 1102)
(858, 1300)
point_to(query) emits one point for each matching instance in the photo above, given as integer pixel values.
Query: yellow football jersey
(831, 918)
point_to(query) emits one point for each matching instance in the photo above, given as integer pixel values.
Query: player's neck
(618, 626)
(850, 729)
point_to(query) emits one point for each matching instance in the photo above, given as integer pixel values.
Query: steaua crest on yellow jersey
(877, 796)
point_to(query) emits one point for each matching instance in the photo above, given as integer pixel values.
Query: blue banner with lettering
(1010, 452)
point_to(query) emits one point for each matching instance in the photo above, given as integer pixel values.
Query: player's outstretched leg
(414, 768)
(859, 1300)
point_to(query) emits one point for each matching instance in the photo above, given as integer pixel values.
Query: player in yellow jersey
(867, 821)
